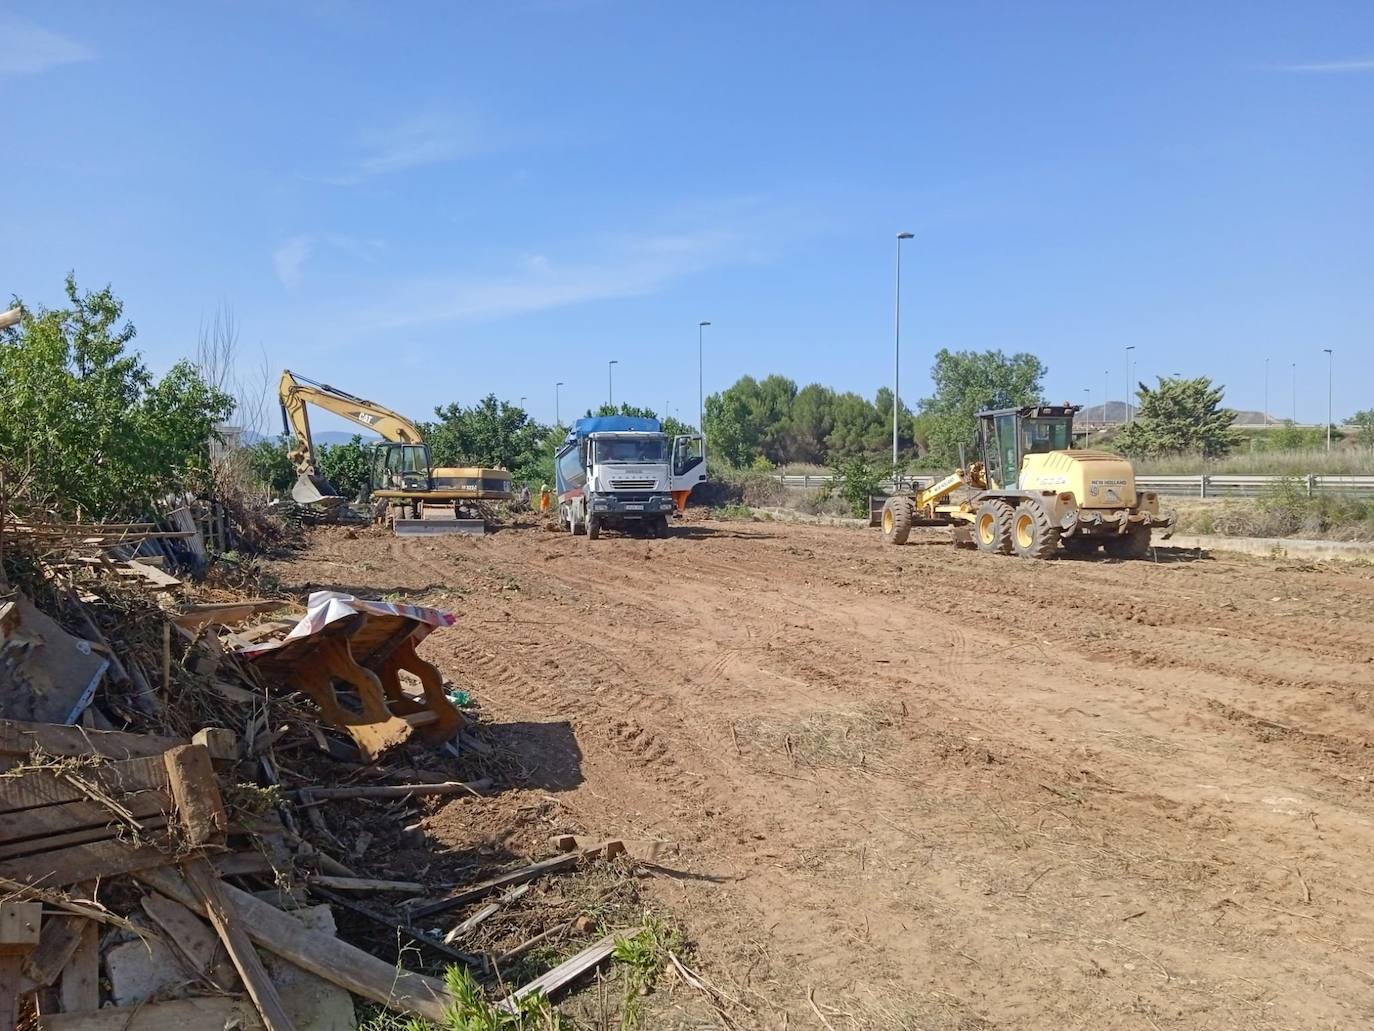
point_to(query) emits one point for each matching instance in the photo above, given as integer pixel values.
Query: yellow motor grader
(1030, 492)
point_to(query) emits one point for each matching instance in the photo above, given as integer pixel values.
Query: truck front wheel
(593, 527)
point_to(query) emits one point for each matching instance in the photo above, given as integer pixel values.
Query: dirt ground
(929, 788)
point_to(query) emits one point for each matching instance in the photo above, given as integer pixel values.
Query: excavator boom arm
(296, 392)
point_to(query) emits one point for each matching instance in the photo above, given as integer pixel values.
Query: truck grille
(632, 484)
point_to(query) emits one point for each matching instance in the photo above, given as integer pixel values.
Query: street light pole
(1266, 393)
(557, 408)
(1294, 367)
(1129, 349)
(897, 350)
(1106, 389)
(701, 395)
(610, 381)
(1330, 362)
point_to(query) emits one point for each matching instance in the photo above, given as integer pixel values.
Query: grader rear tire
(897, 516)
(992, 528)
(1032, 534)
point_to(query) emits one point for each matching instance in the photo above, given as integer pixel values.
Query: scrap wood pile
(192, 791)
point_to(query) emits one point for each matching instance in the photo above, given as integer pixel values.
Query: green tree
(346, 466)
(856, 480)
(730, 428)
(856, 428)
(1286, 438)
(1363, 421)
(86, 422)
(491, 433)
(967, 382)
(1179, 417)
(812, 421)
(269, 465)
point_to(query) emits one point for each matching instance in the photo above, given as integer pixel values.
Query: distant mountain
(1116, 412)
(250, 438)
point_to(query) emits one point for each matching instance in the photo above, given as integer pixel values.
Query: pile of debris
(165, 764)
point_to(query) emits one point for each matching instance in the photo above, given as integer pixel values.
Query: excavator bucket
(314, 490)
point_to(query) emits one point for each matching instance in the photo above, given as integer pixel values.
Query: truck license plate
(634, 508)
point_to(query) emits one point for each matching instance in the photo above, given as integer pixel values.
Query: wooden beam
(175, 1015)
(366, 884)
(334, 960)
(21, 925)
(56, 943)
(563, 974)
(45, 787)
(453, 787)
(195, 791)
(203, 881)
(527, 873)
(20, 738)
(80, 989)
(67, 817)
(82, 863)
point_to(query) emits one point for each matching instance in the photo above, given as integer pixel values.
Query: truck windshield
(649, 449)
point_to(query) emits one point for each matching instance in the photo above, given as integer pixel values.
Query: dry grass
(854, 738)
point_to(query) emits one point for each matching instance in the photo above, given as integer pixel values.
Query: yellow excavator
(400, 472)
(1031, 493)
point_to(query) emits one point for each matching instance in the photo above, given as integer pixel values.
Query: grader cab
(1031, 491)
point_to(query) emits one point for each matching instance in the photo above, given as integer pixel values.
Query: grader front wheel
(1033, 535)
(897, 516)
(992, 527)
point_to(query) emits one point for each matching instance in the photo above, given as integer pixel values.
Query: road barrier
(1203, 485)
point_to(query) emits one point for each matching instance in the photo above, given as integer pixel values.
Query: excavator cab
(1007, 435)
(398, 466)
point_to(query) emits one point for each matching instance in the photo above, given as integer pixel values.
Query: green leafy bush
(85, 423)
(346, 466)
(856, 481)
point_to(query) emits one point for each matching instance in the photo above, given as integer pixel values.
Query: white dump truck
(623, 472)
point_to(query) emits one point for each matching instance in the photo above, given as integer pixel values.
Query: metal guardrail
(1204, 485)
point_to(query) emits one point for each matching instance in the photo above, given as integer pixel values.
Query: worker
(545, 497)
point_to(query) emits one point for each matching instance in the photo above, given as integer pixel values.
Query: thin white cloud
(29, 49)
(627, 267)
(289, 258)
(292, 253)
(1332, 67)
(417, 141)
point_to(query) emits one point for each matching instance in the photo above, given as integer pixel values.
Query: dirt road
(940, 789)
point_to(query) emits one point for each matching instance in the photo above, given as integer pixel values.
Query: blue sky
(429, 202)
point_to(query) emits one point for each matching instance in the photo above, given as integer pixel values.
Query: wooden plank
(56, 943)
(365, 884)
(44, 787)
(526, 873)
(80, 988)
(334, 960)
(28, 824)
(195, 791)
(175, 1015)
(21, 925)
(83, 863)
(206, 884)
(563, 974)
(453, 787)
(394, 924)
(194, 617)
(155, 577)
(20, 738)
(490, 909)
(190, 936)
(68, 839)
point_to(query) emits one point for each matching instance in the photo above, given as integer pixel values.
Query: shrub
(856, 481)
